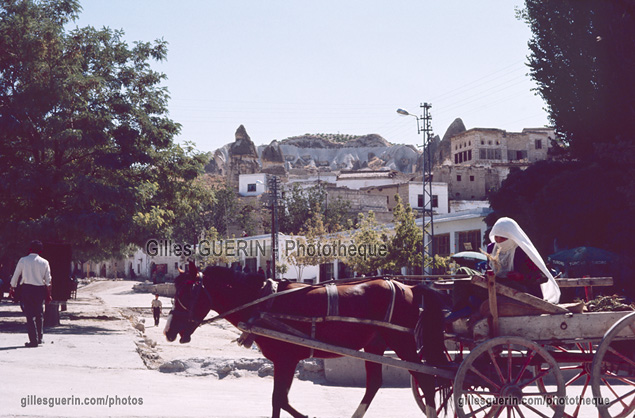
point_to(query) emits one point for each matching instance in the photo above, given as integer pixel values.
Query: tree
(310, 245)
(404, 249)
(566, 204)
(582, 58)
(371, 236)
(298, 203)
(86, 148)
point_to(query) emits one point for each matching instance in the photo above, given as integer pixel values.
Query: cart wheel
(613, 370)
(582, 373)
(499, 378)
(443, 396)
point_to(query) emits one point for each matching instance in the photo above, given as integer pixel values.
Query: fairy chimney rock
(243, 157)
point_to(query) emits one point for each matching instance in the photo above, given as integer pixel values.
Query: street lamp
(424, 127)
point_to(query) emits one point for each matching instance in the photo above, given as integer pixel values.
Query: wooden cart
(515, 366)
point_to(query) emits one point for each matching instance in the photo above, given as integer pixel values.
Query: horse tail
(430, 325)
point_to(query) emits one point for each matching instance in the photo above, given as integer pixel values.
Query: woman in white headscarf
(516, 260)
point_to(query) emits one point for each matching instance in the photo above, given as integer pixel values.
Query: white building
(367, 178)
(440, 198)
(252, 184)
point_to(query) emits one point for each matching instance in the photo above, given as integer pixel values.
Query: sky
(284, 68)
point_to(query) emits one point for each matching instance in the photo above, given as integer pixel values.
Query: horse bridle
(197, 287)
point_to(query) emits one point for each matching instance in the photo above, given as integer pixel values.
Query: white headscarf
(508, 228)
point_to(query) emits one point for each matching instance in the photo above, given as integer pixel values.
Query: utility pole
(274, 186)
(424, 126)
(428, 227)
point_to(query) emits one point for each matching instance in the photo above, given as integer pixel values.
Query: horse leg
(407, 351)
(283, 372)
(373, 376)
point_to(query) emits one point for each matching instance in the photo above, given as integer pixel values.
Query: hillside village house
(482, 158)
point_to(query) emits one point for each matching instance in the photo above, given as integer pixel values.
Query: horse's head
(191, 305)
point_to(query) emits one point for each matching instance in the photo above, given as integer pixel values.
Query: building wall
(487, 146)
(259, 180)
(473, 220)
(468, 182)
(438, 189)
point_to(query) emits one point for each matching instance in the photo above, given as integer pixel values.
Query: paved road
(93, 357)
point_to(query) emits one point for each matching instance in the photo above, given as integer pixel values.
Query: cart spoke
(621, 398)
(540, 375)
(535, 411)
(520, 412)
(629, 380)
(529, 358)
(579, 375)
(474, 412)
(498, 370)
(494, 412)
(482, 376)
(618, 398)
(622, 356)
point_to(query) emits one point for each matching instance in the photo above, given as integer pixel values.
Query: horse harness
(268, 292)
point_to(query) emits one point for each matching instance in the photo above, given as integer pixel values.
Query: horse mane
(249, 282)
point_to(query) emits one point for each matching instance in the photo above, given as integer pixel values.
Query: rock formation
(242, 157)
(443, 150)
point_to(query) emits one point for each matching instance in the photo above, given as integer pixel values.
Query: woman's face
(499, 239)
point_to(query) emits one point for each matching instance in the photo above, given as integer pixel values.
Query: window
(471, 178)
(251, 187)
(469, 155)
(419, 200)
(468, 240)
(326, 272)
(482, 154)
(538, 143)
(458, 178)
(435, 201)
(442, 244)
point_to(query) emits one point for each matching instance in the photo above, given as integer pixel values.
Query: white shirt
(34, 270)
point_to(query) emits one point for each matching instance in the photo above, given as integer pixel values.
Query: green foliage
(315, 235)
(298, 204)
(570, 204)
(582, 57)
(86, 147)
(405, 248)
(370, 234)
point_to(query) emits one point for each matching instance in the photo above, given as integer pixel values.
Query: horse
(222, 289)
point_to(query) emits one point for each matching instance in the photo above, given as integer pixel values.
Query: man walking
(156, 309)
(36, 288)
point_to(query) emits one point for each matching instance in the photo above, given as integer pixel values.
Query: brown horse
(222, 289)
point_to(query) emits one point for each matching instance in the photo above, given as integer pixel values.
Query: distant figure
(261, 271)
(35, 290)
(156, 309)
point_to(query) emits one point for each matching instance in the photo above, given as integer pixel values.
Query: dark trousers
(32, 298)
(157, 315)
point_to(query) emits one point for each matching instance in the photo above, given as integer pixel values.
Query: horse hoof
(185, 340)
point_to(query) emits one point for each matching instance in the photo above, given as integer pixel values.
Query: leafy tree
(298, 203)
(404, 249)
(567, 204)
(86, 148)
(582, 58)
(309, 245)
(370, 235)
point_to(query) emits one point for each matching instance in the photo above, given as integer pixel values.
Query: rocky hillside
(334, 152)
